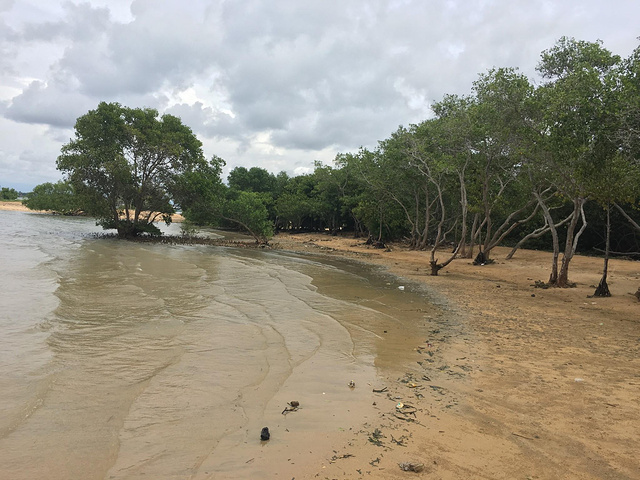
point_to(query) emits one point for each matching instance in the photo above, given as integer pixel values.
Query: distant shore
(17, 206)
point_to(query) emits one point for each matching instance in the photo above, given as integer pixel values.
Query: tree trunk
(603, 288)
(472, 238)
(435, 268)
(572, 241)
(625, 215)
(553, 277)
(537, 233)
(481, 258)
(464, 205)
(427, 219)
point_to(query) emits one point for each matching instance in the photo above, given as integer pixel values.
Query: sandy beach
(525, 382)
(14, 206)
(509, 381)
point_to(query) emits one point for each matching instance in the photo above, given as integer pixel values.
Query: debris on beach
(352, 384)
(399, 441)
(411, 467)
(292, 406)
(541, 284)
(376, 437)
(264, 434)
(340, 457)
(405, 412)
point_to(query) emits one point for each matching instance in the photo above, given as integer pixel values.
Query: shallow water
(127, 360)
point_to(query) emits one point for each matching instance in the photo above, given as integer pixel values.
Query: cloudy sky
(269, 83)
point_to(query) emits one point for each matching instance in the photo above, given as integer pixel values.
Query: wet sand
(134, 360)
(515, 382)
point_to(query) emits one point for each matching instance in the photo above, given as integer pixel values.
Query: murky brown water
(121, 360)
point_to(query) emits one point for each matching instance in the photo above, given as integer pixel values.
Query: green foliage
(58, 197)
(248, 210)
(255, 179)
(200, 192)
(124, 162)
(293, 209)
(570, 56)
(8, 193)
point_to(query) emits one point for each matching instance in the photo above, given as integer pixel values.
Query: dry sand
(15, 206)
(518, 383)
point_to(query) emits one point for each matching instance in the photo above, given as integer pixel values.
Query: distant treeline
(7, 193)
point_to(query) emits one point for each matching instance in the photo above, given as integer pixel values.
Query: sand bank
(518, 382)
(14, 206)
(19, 207)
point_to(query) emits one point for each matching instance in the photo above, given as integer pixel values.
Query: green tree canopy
(8, 193)
(579, 121)
(58, 197)
(124, 162)
(248, 210)
(200, 192)
(255, 179)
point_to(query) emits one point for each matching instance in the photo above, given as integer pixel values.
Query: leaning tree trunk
(553, 277)
(464, 205)
(572, 241)
(603, 288)
(472, 238)
(435, 266)
(537, 233)
(481, 258)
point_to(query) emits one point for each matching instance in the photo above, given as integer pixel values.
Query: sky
(276, 84)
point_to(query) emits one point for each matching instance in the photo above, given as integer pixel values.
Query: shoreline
(514, 381)
(17, 206)
(505, 380)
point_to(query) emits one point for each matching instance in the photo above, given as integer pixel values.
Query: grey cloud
(6, 5)
(81, 23)
(42, 104)
(26, 163)
(207, 121)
